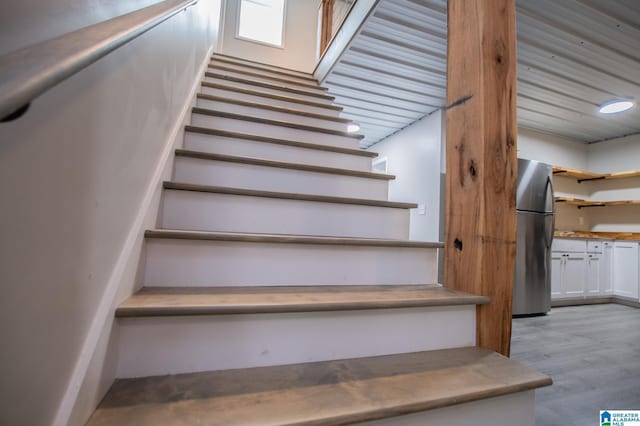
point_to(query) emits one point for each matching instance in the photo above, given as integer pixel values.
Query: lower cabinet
(593, 281)
(625, 269)
(606, 268)
(567, 274)
(582, 268)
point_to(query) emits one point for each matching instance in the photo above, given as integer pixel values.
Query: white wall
(416, 156)
(559, 151)
(413, 155)
(615, 155)
(27, 22)
(76, 176)
(300, 34)
(556, 150)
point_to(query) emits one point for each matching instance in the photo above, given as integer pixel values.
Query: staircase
(281, 287)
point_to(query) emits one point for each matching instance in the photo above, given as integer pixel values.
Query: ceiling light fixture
(616, 105)
(353, 127)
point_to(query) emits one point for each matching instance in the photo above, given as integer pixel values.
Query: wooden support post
(326, 26)
(481, 161)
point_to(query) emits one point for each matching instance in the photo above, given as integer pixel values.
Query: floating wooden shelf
(593, 203)
(581, 175)
(622, 175)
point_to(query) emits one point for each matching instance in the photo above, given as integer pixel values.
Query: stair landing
(322, 393)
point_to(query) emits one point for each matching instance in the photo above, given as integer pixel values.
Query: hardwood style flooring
(593, 355)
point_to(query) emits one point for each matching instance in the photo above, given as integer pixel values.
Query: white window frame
(250, 40)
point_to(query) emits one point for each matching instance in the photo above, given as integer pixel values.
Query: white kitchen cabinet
(625, 269)
(573, 278)
(581, 268)
(598, 275)
(568, 275)
(606, 268)
(593, 275)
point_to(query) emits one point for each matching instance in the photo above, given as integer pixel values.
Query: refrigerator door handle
(550, 229)
(550, 191)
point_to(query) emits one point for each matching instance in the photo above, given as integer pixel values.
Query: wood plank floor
(593, 355)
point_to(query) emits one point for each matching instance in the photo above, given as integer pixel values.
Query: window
(262, 21)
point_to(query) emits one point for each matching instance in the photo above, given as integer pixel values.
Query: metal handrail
(28, 72)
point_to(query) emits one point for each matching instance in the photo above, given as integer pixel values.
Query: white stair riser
(273, 91)
(269, 101)
(249, 176)
(190, 210)
(268, 151)
(193, 263)
(261, 71)
(272, 131)
(271, 115)
(514, 409)
(173, 345)
(266, 79)
(263, 66)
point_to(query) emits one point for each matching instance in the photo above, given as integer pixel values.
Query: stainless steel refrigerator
(536, 222)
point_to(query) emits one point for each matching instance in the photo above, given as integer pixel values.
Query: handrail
(28, 72)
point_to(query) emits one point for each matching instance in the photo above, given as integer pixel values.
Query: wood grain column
(481, 161)
(326, 26)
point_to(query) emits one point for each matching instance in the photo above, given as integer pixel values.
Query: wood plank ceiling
(573, 55)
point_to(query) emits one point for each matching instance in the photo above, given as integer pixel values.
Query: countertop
(633, 236)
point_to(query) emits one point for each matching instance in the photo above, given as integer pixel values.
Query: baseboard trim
(621, 300)
(598, 300)
(148, 209)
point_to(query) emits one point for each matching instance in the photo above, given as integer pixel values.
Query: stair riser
(261, 71)
(307, 87)
(271, 115)
(273, 91)
(193, 263)
(272, 131)
(269, 101)
(172, 345)
(249, 176)
(268, 151)
(257, 66)
(190, 210)
(515, 409)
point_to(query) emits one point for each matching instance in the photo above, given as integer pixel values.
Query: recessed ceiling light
(353, 127)
(617, 105)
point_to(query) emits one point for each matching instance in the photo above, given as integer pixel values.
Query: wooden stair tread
(265, 139)
(166, 301)
(234, 116)
(268, 85)
(272, 108)
(320, 393)
(287, 239)
(281, 164)
(179, 186)
(223, 68)
(261, 65)
(271, 96)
